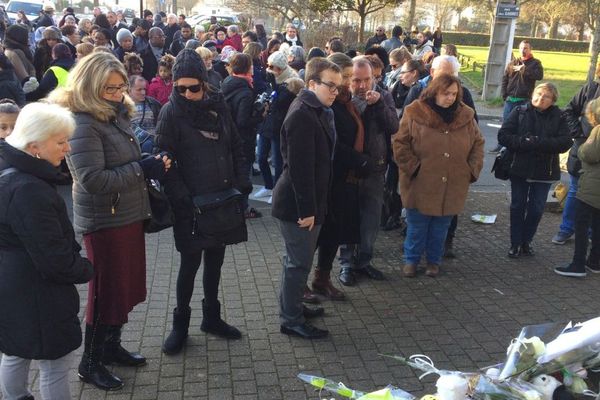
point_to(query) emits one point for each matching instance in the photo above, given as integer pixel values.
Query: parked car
(32, 9)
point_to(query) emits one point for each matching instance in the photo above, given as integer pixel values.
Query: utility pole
(501, 43)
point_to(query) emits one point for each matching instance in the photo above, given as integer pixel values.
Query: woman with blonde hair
(110, 203)
(40, 260)
(214, 78)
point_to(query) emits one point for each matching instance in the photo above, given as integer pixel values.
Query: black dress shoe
(371, 272)
(346, 277)
(312, 312)
(514, 251)
(305, 331)
(527, 250)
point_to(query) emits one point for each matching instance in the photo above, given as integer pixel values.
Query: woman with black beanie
(16, 48)
(205, 188)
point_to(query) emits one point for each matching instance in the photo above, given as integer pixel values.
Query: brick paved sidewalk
(463, 319)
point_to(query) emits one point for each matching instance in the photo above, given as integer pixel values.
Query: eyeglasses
(192, 88)
(114, 89)
(333, 88)
(379, 30)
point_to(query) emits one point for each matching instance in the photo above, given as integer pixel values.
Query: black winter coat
(39, 261)
(240, 99)
(150, 63)
(381, 122)
(536, 139)
(280, 104)
(579, 126)
(202, 165)
(521, 84)
(307, 145)
(10, 87)
(49, 82)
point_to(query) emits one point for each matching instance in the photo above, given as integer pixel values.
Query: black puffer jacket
(578, 123)
(536, 158)
(307, 145)
(10, 87)
(109, 189)
(240, 99)
(39, 261)
(203, 165)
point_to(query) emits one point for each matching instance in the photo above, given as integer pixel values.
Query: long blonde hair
(85, 84)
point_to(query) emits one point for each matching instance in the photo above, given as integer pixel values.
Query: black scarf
(205, 114)
(447, 114)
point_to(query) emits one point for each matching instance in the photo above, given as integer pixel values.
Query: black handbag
(218, 213)
(502, 164)
(162, 214)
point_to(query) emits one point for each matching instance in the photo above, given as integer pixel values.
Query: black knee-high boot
(91, 368)
(114, 353)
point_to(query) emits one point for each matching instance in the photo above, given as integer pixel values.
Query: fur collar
(422, 114)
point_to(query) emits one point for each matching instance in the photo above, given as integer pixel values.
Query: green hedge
(482, 39)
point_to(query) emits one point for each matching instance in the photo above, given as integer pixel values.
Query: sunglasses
(192, 88)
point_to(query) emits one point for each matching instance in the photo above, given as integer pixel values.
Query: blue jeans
(527, 203)
(264, 146)
(425, 234)
(508, 107)
(568, 216)
(370, 199)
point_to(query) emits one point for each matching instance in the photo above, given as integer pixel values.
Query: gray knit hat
(123, 34)
(188, 64)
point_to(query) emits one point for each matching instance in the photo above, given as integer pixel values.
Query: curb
(488, 117)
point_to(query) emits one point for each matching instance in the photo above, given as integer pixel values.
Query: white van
(32, 9)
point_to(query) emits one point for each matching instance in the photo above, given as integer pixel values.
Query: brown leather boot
(322, 284)
(432, 270)
(309, 296)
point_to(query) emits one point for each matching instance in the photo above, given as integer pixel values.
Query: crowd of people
(348, 144)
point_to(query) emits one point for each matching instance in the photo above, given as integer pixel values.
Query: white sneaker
(264, 192)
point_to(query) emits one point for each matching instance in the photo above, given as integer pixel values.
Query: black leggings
(190, 262)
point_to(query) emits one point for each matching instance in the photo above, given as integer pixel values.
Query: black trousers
(211, 276)
(586, 217)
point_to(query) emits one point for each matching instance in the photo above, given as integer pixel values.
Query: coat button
(444, 179)
(149, 214)
(445, 132)
(225, 180)
(446, 155)
(131, 139)
(145, 188)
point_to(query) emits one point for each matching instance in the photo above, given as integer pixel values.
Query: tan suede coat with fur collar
(437, 161)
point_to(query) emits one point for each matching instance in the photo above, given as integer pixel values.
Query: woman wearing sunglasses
(110, 204)
(196, 127)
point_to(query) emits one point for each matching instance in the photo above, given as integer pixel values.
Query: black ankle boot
(212, 322)
(176, 339)
(449, 248)
(114, 353)
(91, 368)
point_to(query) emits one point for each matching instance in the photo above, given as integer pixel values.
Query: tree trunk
(534, 24)
(411, 13)
(361, 28)
(581, 33)
(553, 32)
(595, 48)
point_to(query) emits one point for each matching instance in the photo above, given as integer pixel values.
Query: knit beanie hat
(18, 34)
(188, 64)
(279, 60)
(157, 19)
(123, 34)
(50, 33)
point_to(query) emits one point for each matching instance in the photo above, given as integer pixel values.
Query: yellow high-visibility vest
(61, 75)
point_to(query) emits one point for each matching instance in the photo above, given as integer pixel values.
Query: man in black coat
(376, 39)
(380, 122)
(155, 50)
(179, 44)
(301, 193)
(580, 129)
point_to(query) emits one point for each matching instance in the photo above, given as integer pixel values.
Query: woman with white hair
(296, 58)
(110, 204)
(39, 257)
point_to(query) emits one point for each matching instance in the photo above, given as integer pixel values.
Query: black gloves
(367, 165)
(153, 168)
(245, 187)
(529, 142)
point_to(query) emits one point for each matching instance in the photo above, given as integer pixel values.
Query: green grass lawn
(566, 70)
